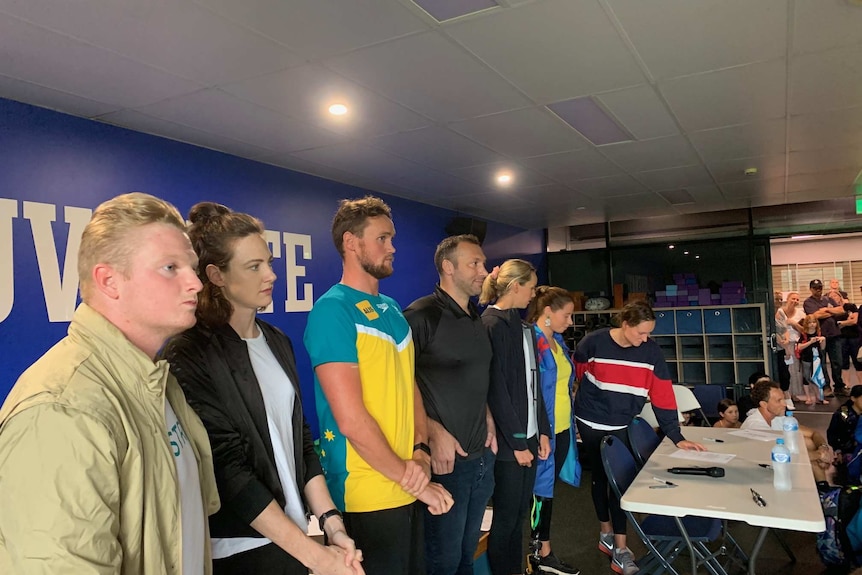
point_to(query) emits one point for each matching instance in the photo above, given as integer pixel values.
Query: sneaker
(553, 564)
(624, 562)
(606, 544)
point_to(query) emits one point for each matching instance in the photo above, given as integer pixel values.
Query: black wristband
(324, 516)
(422, 447)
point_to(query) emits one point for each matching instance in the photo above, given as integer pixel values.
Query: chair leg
(784, 546)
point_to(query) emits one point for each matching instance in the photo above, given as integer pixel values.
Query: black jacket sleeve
(500, 399)
(239, 488)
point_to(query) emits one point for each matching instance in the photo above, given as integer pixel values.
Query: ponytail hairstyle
(502, 277)
(214, 231)
(547, 296)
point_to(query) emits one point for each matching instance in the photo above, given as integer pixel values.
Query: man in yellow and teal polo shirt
(372, 422)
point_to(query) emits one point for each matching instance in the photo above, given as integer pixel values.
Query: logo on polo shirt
(367, 309)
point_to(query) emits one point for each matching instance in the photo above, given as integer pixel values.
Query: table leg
(752, 559)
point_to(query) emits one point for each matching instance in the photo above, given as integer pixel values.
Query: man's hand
(690, 445)
(524, 457)
(415, 479)
(544, 447)
(491, 438)
(444, 447)
(438, 500)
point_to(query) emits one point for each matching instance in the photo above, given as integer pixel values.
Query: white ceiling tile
(674, 178)
(500, 199)
(825, 160)
(555, 195)
(820, 194)
(669, 152)
(768, 167)
(824, 24)
(733, 96)
(322, 28)
(485, 175)
(522, 133)
(220, 113)
(640, 111)
(43, 97)
(314, 169)
(430, 183)
(178, 37)
(610, 186)
(430, 75)
(826, 80)
(436, 147)
(745, 141)
(569, 166)
(306, 92)
(677, 37)
(54, 61)
(359, 159)
(753, 188)
(826, 129)
(704, 195)
(822, 180)
(548, 49)
(149, 125)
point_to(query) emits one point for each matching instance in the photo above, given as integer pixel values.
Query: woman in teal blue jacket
(550, 312)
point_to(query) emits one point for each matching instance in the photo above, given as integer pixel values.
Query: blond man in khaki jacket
(104, 468)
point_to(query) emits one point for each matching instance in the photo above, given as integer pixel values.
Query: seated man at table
(769, 416)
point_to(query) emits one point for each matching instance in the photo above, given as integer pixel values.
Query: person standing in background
(104, 467)
(550, 312)
(239, 375)
(523, 430)
(787, 330)
(826, 311)
(372, 422)
(453, 362)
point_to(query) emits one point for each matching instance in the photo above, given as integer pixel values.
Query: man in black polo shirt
(453, 358)
(826, 310)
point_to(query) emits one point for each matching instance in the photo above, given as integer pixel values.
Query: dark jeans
(512, 493)
(606, 503)
(833, 350)
(849, 349)
(783, 370)
(267, 559)
(390, 539)
(451, 538)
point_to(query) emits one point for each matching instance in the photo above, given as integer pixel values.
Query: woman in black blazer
(239, 375)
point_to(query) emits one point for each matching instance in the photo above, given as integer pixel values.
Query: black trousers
(392, 540)
(544, 506)
(513, 490)
(606, 503)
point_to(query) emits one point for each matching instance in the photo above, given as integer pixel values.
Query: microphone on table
(710, 471)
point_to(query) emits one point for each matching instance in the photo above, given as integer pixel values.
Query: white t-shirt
(192, 514)
(532, 422)
(755, 420)
(278, 399)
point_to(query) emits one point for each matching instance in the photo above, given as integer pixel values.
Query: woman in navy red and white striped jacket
(618, 369)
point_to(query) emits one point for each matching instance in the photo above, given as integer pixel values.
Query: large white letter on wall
(8, 212)
(291, 241)
(60, 293)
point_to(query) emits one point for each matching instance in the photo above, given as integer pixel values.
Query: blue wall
(58, 167)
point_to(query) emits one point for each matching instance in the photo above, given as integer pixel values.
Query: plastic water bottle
(791, 433)
(781, 466)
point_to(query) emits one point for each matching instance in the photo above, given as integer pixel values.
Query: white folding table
(729, 497)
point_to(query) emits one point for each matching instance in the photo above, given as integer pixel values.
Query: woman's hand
(690, 445)
(544, 447)
(524, 457)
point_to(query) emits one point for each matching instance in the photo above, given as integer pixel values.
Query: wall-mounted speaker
(460, 226)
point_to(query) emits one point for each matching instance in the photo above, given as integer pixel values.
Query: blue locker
(689, 321)
(717, 320)
(663, 323)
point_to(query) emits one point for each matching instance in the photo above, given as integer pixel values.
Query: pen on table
(713, 440)
(764, 465)
(662, 481)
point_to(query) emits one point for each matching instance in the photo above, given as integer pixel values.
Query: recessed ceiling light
(686, 253)
(338, 109)
(697, 257)
(504, 179)
(750, 171)
(671, 246)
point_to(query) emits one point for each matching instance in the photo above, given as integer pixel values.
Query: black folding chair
(643, 439)
(663, 536)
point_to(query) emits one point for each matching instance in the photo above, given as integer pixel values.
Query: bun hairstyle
(548, 296)
(214, 230)
(635, 313)
(501, 279)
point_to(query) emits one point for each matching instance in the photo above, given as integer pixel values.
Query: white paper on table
(703, 456)
(756, 434)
